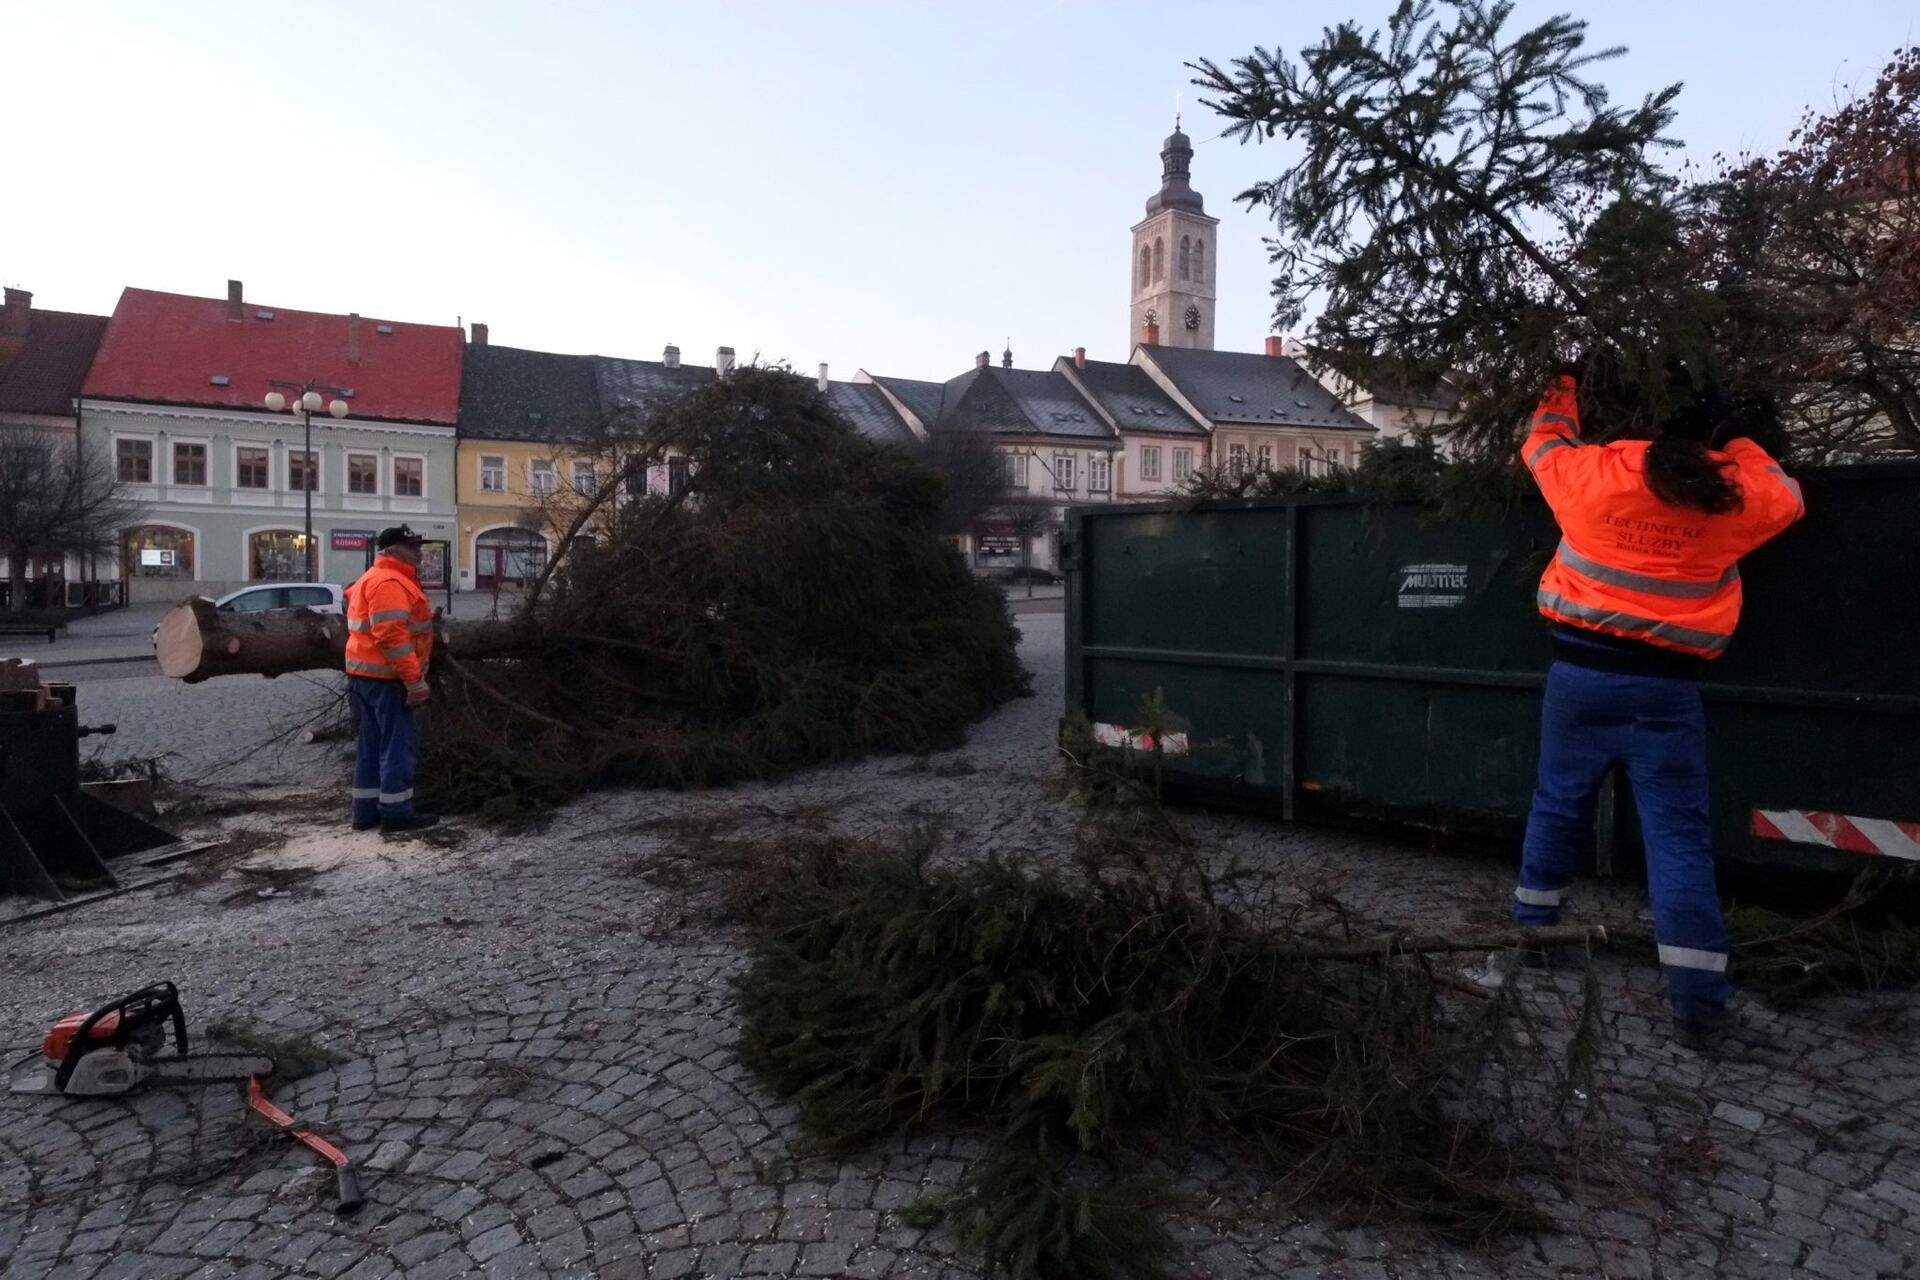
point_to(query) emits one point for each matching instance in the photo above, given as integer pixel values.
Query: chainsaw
(122, 1046)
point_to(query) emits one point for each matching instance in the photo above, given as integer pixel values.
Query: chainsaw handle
(346, 1178)
(136, 1009)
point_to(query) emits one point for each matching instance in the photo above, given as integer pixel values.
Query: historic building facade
(177, 398)
(1173, 258)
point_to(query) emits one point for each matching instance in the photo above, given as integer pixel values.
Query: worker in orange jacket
(389, 644)
(1643, 592)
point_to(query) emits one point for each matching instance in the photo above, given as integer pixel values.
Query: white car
(321, 597)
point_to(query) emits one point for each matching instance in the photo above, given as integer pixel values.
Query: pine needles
(791, 603)
(1074, 1011)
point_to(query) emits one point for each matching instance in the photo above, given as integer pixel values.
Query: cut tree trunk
(196, 642)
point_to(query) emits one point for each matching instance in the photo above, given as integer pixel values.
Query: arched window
(1186, 257)
(277, 555)
(1159, 259)
(1146, 268)
(157, 551)
(1200, 261)
(508, 557)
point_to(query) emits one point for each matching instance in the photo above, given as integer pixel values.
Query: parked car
(321, 597)
(1036, 575)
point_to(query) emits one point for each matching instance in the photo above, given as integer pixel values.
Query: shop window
(157, 551)
(277, 555)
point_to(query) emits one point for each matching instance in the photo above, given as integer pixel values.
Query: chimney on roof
(824, 380)
(1079, 357)
(16, 316)
(233, 301)
(723, 361)
(1150, 334)
(670, 357)
(1276, 345)
(479, 335)
(353, 337)
(982, 360)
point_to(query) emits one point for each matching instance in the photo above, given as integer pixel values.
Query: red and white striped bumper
(1116, 735)
(1839, 831)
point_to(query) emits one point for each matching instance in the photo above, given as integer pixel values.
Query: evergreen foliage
(792, 603)
(1077, 1011)
(1463, 200)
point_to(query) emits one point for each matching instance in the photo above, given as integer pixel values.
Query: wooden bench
(28, 629)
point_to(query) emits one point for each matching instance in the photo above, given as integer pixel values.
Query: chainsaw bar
(204, 1068)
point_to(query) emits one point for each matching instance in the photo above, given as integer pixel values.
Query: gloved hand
(417, 694)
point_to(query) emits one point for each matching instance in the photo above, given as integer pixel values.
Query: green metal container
(1331, 658)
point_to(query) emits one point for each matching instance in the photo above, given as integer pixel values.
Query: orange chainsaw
(122, 1046)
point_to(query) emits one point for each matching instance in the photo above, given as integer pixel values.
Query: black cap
(399, 533)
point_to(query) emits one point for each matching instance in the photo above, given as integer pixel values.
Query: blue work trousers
(383, 766)
(1656, 727)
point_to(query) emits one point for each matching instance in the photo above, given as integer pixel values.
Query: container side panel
(1208, 581)
(1233, 719)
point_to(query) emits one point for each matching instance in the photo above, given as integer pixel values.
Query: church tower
(1173, 260)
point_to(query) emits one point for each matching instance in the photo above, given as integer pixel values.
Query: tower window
(1186, 257)
(1200, 261)
(1146, 268)
(1159, 259)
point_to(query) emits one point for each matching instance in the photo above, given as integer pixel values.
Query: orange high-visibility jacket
(389, 624)
(1631, 565)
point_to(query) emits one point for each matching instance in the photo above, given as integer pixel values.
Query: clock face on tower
(1193, 317)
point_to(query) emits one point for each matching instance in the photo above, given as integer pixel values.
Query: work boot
(1708, 1039)
(368, 825)
(412, 822)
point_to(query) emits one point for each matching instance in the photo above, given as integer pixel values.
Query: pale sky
(887, 185)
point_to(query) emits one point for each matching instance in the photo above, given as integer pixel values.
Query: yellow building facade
(514, 496)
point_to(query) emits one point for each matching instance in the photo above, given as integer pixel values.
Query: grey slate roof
(1019, 402)
(923, 398)
(643, 384)
(510, 394)
(867, 411)
(1132, 399)
(1243, 387)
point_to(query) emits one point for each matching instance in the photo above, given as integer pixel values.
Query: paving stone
(539, 1062)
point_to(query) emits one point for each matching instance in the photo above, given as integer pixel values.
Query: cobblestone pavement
(536, 1072)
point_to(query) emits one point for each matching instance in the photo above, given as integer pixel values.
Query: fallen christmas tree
(1085, 1014)
(791, 602)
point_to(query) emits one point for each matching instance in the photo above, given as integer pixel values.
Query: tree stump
(196, 642)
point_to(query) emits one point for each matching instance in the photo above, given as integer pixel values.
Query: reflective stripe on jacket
(389, 624)
(1631, 565)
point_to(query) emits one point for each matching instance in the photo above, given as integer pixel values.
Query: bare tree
(55, 498)
(975, 473)
(1029, 518)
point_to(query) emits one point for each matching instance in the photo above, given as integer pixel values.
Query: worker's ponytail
(1681, 471)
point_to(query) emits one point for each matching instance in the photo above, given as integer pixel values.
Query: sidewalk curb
(96, 662)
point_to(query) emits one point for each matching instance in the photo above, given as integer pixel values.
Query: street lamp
(306, 402)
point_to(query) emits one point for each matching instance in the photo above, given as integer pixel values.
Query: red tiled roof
(42, 373)
(167, 348)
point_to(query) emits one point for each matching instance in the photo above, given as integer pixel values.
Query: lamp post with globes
(306, 401)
